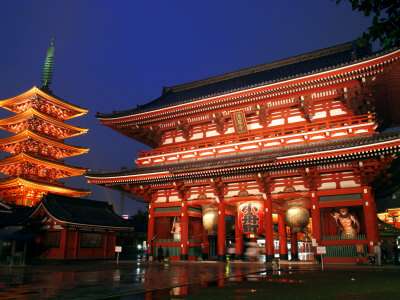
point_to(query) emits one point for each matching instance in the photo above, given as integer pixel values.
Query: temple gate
(289, 150)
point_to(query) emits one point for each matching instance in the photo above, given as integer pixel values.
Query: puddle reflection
(180, 292)
(130, 280)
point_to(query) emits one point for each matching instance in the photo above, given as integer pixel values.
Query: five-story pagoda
(37, 147)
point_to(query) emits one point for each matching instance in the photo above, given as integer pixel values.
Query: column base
(269, 258)
(184, 257)
(295, 257)
(283, 256)
(221, 257)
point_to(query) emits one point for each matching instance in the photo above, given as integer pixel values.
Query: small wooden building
(62, 227)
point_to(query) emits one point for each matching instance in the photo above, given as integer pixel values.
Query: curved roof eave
(161, 103)
(61, 102)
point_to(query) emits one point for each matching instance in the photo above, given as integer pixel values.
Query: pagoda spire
(48, 66)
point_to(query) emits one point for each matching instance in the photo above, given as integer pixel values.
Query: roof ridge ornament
(48, 66)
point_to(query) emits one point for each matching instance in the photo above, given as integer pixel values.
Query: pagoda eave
(21, 117)
(44, 187)
(6, 103)
(27, 134)
(24, 157)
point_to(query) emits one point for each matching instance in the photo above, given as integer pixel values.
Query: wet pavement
(182, 280)
(102, 280)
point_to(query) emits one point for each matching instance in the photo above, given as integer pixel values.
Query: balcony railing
(256, 137)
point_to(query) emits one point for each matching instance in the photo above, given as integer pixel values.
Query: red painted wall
(163, 226)
(70, 249)
(195, 229)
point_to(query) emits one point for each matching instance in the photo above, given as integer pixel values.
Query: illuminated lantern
(250, 217)
(297, 218)
(210, 216)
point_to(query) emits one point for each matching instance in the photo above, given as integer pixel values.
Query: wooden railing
(255, 135)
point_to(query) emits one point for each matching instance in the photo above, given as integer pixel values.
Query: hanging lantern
(210, 216)
(250, 216)
(297, 217)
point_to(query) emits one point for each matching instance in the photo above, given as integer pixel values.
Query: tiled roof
(296, 66)
(14, 215)
(83, 211)
(264, 156)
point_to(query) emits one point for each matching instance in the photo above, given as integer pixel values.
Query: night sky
(113, 55)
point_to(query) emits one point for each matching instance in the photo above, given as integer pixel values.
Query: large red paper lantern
(250, 216)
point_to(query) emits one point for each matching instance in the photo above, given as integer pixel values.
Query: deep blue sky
(113, 55)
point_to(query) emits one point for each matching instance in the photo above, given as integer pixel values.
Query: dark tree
(139, 221)
(385, 26)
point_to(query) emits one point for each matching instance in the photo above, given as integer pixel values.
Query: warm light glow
(297, 218)
(38, 150)
(250, 216)
(391, 216)
(210, 218)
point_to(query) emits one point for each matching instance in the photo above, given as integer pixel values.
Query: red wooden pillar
(268, 228)
(105, 244)
(184, 231)
(316, 217)
(221, 231)
(371, 225)
(283, 251)
(63, 243)
(293, 246)
(112, 242)
(150, 231)
(76, 244)
(238, 239)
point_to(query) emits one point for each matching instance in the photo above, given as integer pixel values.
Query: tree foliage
(385, 15)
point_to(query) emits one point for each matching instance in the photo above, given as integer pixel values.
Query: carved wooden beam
(219, 120)
(182, 189)
(143, 191)
(306, 104)
(264, 115)
(186, 128)
(312, 179)
(219, 188)
(264, 182)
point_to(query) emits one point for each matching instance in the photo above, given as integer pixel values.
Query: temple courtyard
(197, 280)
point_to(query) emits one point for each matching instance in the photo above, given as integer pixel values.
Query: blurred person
(252, 252)
(378, 253)
(231, 250)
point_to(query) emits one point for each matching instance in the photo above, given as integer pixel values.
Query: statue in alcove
(176, 229)
(346, 222)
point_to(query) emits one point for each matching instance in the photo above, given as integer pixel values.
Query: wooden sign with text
(239, 121)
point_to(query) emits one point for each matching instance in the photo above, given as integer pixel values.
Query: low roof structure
(66, 210)
(80, 211)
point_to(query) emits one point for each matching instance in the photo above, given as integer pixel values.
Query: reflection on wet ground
(89, 280)
(193, 289)
(195, 280)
